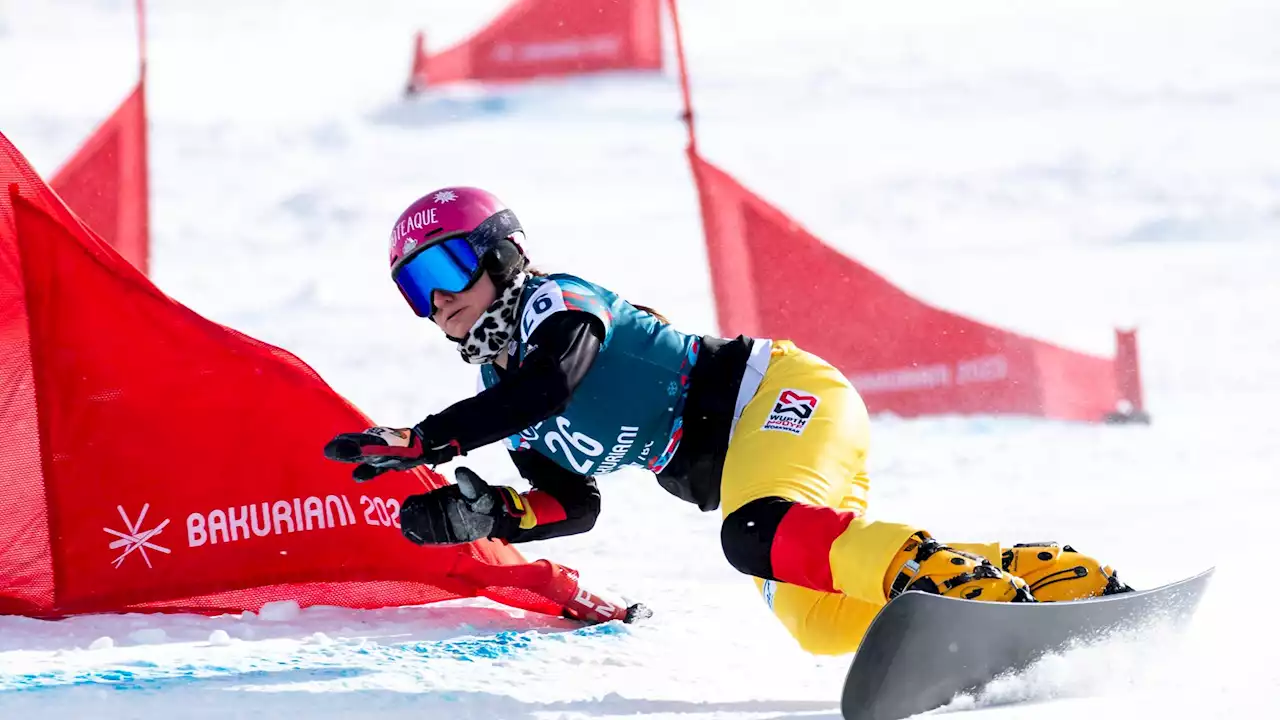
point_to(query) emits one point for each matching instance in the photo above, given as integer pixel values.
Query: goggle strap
(498, 226)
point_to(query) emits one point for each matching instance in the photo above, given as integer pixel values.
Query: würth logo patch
(791, 411)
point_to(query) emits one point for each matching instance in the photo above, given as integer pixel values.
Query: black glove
(380, 449)
(463, 512)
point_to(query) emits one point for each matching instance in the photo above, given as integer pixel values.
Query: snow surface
(1058, 168)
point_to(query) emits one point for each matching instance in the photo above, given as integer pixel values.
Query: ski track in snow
(1058, 169)
(318, 656)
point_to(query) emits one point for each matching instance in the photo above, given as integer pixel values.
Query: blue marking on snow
(339, 660)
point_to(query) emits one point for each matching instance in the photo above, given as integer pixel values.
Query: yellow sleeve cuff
(518, 506)
(529, 519)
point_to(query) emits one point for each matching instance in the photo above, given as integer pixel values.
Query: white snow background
(1057, 168)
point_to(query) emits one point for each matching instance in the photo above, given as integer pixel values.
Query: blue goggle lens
(451, 266)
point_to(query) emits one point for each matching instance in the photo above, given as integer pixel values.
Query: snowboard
(923, 650)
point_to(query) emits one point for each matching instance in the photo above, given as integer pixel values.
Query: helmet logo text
(416, 221)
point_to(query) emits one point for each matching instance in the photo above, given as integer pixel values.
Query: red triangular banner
(772, 278)
(106, 182)
(548, 38)
(159, 460)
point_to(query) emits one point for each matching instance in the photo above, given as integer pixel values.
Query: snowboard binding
(927, 565)
(1057, 573)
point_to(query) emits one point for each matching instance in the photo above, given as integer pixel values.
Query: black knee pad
(747, 535)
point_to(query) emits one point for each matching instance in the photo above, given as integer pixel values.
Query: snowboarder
(579, 382)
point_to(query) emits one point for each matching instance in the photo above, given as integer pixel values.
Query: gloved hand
(380, 449)
(469, 510)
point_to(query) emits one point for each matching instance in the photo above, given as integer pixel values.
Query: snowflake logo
(136, 538)
(445, 196)
(672, 389)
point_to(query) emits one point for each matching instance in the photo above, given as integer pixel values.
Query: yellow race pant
(818, 460)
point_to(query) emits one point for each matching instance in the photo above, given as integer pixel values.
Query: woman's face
(457, 312)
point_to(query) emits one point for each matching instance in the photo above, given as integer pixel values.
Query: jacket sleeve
(560, 502)
(564, 347)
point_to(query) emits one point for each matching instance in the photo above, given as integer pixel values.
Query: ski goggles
(451, 266)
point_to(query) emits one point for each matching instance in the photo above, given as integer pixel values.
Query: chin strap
(488, 337)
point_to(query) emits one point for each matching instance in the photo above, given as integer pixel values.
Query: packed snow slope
(1058, 168)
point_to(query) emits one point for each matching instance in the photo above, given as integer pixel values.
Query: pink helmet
(450, 212)
(465, 213)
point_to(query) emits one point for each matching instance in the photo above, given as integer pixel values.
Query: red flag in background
(772, 278)
(105, 182)
(548, 38)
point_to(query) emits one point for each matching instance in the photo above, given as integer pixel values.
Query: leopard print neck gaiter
(489, 336)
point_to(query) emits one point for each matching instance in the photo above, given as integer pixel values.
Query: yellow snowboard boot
(925, 564)
(1056, 573)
